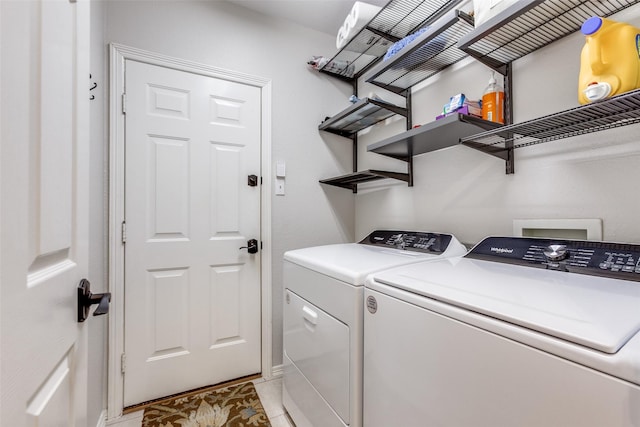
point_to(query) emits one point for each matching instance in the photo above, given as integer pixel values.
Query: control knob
(556, 252)
(399, 241)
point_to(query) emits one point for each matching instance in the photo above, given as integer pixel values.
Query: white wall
(467, 193)
(224, 35)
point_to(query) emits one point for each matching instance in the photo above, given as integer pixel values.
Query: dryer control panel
(409, 240)
(616, 260)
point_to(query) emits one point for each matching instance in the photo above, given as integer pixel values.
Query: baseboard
(277, 371)
(102, 420)
(126, 420)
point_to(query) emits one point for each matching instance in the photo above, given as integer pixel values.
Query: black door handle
(86, 299)
(252, 246)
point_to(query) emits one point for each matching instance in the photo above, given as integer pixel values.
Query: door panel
(226, 325)
(226, 179)
(169, 192)
(44, 211)
(49, 405)
(170, 317)
(192, 310)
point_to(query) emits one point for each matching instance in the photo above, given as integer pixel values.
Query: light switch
(280, 174)
(279, 186)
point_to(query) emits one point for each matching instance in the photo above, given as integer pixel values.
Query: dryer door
(318, 344)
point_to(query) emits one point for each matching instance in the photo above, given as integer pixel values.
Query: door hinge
(124, 232)
(123, 362)
(124, 103)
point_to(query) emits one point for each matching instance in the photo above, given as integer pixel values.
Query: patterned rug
(234, 406)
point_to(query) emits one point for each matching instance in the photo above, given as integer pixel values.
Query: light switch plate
(280, 169)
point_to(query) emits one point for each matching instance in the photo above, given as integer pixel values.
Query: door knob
(86, 299)
(252, 246)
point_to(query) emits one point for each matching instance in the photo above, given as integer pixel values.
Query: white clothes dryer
(323, 320)
(518, 332)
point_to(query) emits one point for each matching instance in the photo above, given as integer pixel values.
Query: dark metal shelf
(352, 180)
(359, 116)
(522, 28)
(529, 25)
(618, 111)
(394, 22)
(432, 136)
(430, 53)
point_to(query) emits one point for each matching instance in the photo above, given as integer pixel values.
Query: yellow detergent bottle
(610, 59)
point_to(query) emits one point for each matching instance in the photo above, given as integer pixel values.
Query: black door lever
(86, 299)
(252, 246)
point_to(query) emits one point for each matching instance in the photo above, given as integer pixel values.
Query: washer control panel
(409, 240)
(617, 260)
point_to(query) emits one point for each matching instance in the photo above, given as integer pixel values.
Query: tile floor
(270, 393)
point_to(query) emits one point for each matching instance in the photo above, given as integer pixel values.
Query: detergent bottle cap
(591, 25)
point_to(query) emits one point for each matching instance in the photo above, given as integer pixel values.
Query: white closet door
(44, 210)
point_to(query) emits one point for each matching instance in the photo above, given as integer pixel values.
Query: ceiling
(326, 16)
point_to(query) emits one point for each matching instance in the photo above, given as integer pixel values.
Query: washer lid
(382, 249)
(597, 312)
(352, 262)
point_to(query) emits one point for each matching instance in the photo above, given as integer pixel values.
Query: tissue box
(455, 102)
(460, 104)
(465, 109)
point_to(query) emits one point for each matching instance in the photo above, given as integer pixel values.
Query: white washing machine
(519, 332)
(323, 315)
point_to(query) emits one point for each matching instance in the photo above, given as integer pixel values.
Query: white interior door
(192, 296)
(44, 211)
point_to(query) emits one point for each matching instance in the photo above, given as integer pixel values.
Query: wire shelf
(361, 115)
(395, 21)
(352, 180)
(429, 54)
(529, 25)
(618, 111)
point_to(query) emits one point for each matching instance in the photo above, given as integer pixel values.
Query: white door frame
(118, 55)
